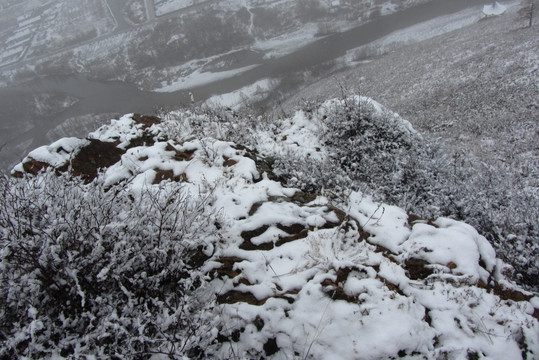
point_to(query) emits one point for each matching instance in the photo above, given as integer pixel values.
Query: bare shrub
(110, 272)
(372, 151)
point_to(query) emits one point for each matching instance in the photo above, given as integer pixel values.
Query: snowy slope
(295, 275)
(464, 93)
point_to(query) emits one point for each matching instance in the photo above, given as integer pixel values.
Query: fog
(65, 66)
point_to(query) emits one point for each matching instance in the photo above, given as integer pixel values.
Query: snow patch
(494, 9)
(243, 96)
(200, 78)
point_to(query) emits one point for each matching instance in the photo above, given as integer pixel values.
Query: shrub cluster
(374, 150)
(112, 273)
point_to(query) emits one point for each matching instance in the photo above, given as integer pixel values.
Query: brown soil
(229, 162)
(95, 156)
(186, 155)
(162, 175)
(417, 269)
(415, 219)
(227, 269)
(33, 166)
(235, 296)
(146, 120)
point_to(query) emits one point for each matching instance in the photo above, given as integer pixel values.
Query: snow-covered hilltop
(160, 238)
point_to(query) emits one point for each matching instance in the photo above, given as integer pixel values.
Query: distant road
(150, 10)
(197, 6)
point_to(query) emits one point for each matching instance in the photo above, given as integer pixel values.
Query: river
(99, 97)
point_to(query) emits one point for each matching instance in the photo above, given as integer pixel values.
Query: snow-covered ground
(474, 92)
(494, 9)
(244, 96)
(287, 43)
(298, 275)
(199, 78)
(163, 7)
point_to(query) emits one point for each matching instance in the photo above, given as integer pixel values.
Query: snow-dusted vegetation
(472, 94)
(401, 167)
(220, 234)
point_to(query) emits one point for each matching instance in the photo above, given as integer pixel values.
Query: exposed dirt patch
(249, 153)
(264, 165)
(505, 294)
(363, 235)
(255, 208)
(31, 166)
(296, 231)
(185, 155)
(303, 198)
(342, 274)
(243, 281)
(197, 258)
(258, 322)
(270, 347)
(146, 139)
(235, 296)
(234, 336)
(415, 219)
(95, 156)
(162, 175)
(335, 291)
(385, 251)
(228, 161)
(249, 234)
(299, 235)
(508, 294)
(341, 215)
(248, 245)
(417, 269)
(227, 269)
(427, 317)
(291, 229)
(146, 120)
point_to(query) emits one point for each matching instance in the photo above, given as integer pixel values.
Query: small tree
(527, 11)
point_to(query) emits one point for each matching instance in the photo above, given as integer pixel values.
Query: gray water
(19, 125)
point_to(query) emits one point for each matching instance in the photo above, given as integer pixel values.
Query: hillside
(469, 84)
(216, 234)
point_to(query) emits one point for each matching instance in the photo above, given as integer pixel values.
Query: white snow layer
(200, 78)
(123, 131)
(55, 154)
(317, 283)
(494, 9)
(243, 96)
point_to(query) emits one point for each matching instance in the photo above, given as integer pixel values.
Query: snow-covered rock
(294, 276)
